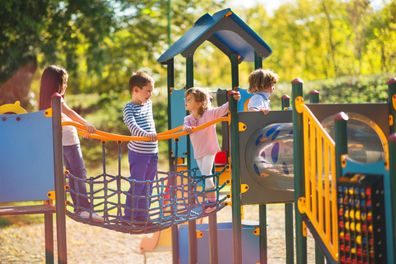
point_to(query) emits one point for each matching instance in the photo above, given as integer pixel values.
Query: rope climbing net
(115, 201)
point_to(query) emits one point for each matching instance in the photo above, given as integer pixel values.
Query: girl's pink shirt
(205, 141)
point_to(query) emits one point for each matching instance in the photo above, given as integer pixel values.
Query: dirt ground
(89, 244)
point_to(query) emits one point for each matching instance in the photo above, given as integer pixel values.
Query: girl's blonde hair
(200, 95)
(260, 80)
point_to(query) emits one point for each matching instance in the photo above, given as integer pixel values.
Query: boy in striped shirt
(142, 155)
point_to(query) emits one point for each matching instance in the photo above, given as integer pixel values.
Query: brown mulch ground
(89, 244)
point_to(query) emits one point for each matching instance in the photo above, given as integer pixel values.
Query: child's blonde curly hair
(260, 80)
(200, 95)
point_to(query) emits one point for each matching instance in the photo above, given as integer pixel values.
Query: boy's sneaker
(94, 217)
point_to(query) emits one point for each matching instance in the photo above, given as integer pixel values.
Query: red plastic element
(368, 191)
(221, 158)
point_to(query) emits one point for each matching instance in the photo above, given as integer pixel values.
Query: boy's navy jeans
(143, 168)
(74, 163)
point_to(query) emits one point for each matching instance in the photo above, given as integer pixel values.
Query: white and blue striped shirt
(259, 101)
(139, 119)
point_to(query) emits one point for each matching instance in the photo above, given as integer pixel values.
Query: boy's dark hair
(261, 79)
(139, 79)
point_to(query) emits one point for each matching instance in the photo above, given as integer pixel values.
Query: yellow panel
(14, 108)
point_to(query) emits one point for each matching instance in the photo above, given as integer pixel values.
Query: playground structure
(345, 199)
(32, 169)
(255, 140)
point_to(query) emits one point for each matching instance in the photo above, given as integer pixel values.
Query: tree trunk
(18, 86)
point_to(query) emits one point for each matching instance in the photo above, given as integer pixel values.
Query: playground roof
(226, 31)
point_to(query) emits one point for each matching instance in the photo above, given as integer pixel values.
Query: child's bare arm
(76, 117)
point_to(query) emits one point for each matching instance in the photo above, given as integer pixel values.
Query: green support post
(49, 238)
(298, 154)
(285, 100)
(60, 205)
(169, 17)
(236, 181)
(314, 97)
(392, 104)
(392, 173)
(170, 86)
(213, 242)
(258, 61)
(258, 64)
(392, 150)
(192, 226)
(341, 140)
(319, 257)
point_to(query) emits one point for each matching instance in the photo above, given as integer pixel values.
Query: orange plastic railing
(172, 133)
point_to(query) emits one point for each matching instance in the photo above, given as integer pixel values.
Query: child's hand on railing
(236, 95)
(152, 136)
(265, 111)
(188, 128)
(90, 128)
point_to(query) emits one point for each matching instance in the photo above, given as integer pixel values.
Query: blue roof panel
(224, 29)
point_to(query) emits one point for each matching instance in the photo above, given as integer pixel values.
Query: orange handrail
(172, 133)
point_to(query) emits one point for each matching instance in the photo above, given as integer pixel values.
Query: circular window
(364, 144)
(269, 156)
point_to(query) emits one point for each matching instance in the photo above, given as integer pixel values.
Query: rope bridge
(172, 198)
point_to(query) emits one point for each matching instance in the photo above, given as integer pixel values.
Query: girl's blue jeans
(143, 168)
(74, 163)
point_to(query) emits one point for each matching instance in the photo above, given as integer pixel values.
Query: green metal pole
(49, 238)
(213, 242)
(59, 179)
(169, 16)
(289, 233)
(170, 85)
(392, 103)
(285, 100)
(298, 154)
(258, 61)
(341, 140)
(236, 181)
(192, 226)
(258, 64)
(319, 257)
(314, 97)
(392, 151)
(392, 174)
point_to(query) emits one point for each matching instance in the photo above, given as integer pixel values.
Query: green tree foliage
(52, 31)
(100, 43)
(327, 38)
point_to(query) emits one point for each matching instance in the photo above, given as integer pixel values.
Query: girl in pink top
(204, 142)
